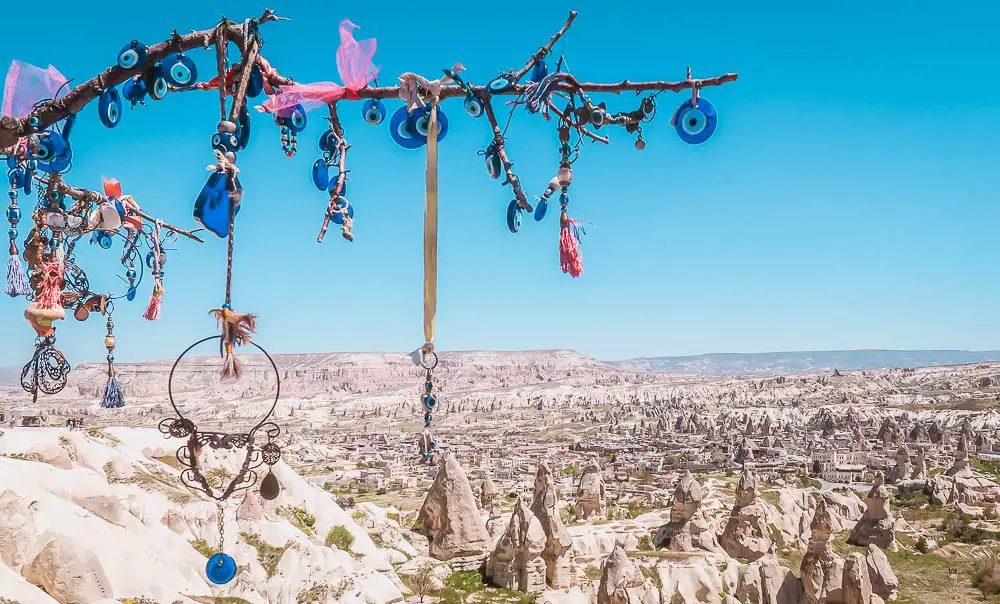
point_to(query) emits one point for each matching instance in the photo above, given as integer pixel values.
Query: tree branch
(335, 194)
(574, 124)
(547, 48)
(88, 196)
(508, 167)
(11, 129)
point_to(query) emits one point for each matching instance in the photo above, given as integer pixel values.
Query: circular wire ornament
(187, 455)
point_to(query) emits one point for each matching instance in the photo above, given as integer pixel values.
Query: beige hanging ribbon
(431, 231)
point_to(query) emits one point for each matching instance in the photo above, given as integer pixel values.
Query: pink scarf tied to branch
(26, 84)
(354, 62)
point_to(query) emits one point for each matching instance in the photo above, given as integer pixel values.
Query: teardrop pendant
(269, 487)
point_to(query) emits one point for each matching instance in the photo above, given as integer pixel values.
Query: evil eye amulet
(339, 218)
(156, 84)
(695, 125)
(150, 259)
(493, 166)
(220, 569)
(402, 131)
(132, 55)
(501, 83)
(540, 210)
(134, 90)
(256, 84)
(473, 106)
(225, 142)
(422, 122)
(321, 175)
(430, 402)
(103, 239)
(514, 213)
(539, 70)
(293, 118)
(179, 70)
(373, 111)
(328, 141)
(109, 107)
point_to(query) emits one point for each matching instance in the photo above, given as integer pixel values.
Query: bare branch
(335, 193)
(574, 124)
(547, 48)
(508, 167)
(11, 129)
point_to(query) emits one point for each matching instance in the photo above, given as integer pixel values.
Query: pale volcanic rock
(919, 466)
(450, 517)
(822, 569)
(558, 552)
(68, 571)
(883, 579)
(687, 530)
(591, 492)
(516, 562)
(901, 471)
(746, 534)
(857, 586)
(876, 526)
(623, 583)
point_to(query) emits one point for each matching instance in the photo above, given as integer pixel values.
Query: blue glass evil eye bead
(339, 218)
(429, 402)
(134, 90)
(293, 118)
(473, 106)
(179, 70)
(514, 212)
(428, 418)
(211, 208)
(402, 132)
(540, 209)
(493, 167)
(256, 84)
(103, 239)
(539, 70)
(132, 55)
(130, 296)
(321, 175)
(421, 121)
(501, 83)
(695, 125)
(328, 141)
(156, 84)
(13, 214)
(243, 129)
(373, 111)
(150, 259)
(220, 568)
(109, 107)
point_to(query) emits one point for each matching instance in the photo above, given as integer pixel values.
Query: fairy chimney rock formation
(450, 518)
(517, 561)
(857, 585)
(684, 532)
(822, 570)
(876, 525)
(623, 583)
(901, 471)
(558, 552)
(746, 534)
(489, 492)
(591, 493)
(935, 433)
(961, 463)
(919, 466)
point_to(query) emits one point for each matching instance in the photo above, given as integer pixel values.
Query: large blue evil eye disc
(179, 70)
(109, 107)
(321, 175)
(402, 132)
(540, 210)
(132, 55)
(373, 111)
(220, 569)
(695, 125)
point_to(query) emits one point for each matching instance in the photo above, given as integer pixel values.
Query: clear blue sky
(847, 200)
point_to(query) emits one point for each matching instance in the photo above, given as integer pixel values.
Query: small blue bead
(12, 234)
(220, 569)
(428, 418)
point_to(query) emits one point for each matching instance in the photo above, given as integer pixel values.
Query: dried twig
(574, 124)
(508, 167)
(88, 196)
(338, 130)
(543, 51)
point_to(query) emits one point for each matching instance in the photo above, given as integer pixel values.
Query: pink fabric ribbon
(354, 63)
(26, 84)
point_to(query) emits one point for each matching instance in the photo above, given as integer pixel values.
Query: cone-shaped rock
(517, 561)
(822, 570)
(558, 553)
(449, 516)
(623, 583)
(876, 525)
(746, 534)
(590, 495)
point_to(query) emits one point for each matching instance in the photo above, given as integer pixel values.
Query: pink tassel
(570, 257)
(153, 308)
(51, 293)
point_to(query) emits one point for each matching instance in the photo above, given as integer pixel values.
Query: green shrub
(268, 555)
(340, 537)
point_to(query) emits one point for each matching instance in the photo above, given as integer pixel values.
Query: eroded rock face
(488, 493)
(746, 534)
(623, 583)
(450, 518)
(686, 531)
(883, 579)
(558, 552)
(857, 586)
(822, 569)
(590, 495)
(16, 528)
(68, 572)
(901, 471)
(517, 561)
(919, 466)
(876, 526)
